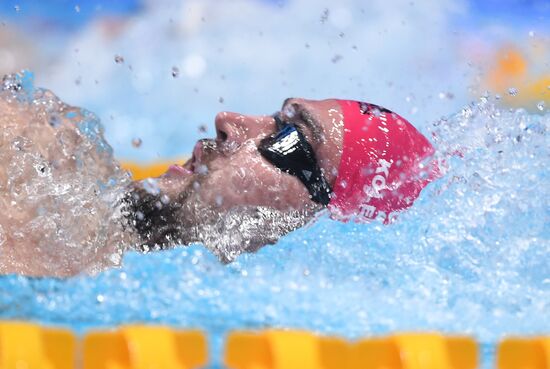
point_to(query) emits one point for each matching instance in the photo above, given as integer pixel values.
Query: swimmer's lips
(178, 170)
(191, 164)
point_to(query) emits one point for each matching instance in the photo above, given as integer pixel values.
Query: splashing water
(471, 256)
(59, 185)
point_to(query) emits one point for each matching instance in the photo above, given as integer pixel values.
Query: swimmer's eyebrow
(305, 116)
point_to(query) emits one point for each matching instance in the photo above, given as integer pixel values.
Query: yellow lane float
(144, 347)
(517, 77)
(26, 345)
(302, 350)
(31, 346)
(141, 171)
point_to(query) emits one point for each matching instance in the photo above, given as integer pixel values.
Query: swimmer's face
(229, 171)
(228, 196)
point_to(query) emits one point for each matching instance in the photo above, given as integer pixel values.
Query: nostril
(222, 135)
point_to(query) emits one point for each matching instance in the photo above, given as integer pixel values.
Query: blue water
(471, 257)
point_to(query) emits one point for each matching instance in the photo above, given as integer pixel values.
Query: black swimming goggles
(288, 150)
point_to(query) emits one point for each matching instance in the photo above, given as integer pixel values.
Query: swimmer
(260, 178)
(264, 176)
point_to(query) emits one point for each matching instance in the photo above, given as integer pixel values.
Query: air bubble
(540, 105)
(136, 142)
(512, 91)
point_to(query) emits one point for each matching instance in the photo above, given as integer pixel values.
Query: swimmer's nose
(237, 128)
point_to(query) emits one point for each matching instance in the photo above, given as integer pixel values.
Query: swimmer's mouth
(178, 170)
(192, 165)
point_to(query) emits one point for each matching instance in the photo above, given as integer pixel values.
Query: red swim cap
(385, 164)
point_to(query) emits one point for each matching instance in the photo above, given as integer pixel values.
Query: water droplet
(221, 100)
(175, 72)
(324, 15)
(219, 200)
(54, 120)
(17, 8)
(165, 199)
(512, 91)
(77, 8)
(136, 142)
(540, 105)
(203, 128)
(119, 59)
(100, 298)
(41, 169)
(78, 81)
(151, 186)
(531, 33)
(289, 111)
(244, 273)
(336, 58)
(202, 169)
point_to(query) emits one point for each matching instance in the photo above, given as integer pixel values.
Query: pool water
(470, 257)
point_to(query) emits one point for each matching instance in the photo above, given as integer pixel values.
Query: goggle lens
(288, 150)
